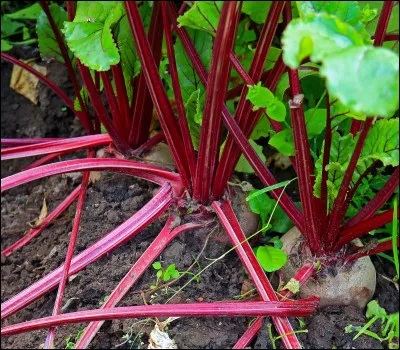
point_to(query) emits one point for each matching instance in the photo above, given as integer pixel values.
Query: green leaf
(283, 83)
(5, 45)
(261, 205)
(280, 222)
(283, 142)
(259, 96)
(85, 97)
(315, 121)
(382, 143)
(368, 14)
(188, 79)
(203, 15)
(277, 242)
(194, 115)
(347, 11)
(30, 12)
(315, 124)
(170, 272)
(129, 58)
(365, 79)
(243, 165)
(338, 108)
(341, 149)
(48, 45)
(193, 92)
(157, 265)
(89, 36)
(159, 273)
(393, 26)
(9, 27)
(270, 258)
(175, 274)
(276, 110)
(317, 36)
(262, 129)
(373, 309)
(257, 10)
(262, 97)
(25, 33)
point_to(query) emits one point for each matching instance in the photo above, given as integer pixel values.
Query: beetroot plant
(214, 94)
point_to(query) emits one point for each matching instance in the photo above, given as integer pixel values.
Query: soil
(110, 201)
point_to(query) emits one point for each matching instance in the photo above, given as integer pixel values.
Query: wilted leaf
(26, 83)
(159, 339)
(293, 285)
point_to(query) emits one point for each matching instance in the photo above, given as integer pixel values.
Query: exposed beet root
(336, 283)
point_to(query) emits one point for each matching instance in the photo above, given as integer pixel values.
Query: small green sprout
(169, 273)
(389, 329)
(104, 300)
(70, 343)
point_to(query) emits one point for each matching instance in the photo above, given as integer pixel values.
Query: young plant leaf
(317, 36)
(270, 258)
(276, 242)
(365, 79)
(262, 97)
(259, 96)
(368, 14)
(48, 45)
(157, 265)
(374, 309)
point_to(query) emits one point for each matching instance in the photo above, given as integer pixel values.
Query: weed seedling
(389, 325)
(104, 300)
(70, 343)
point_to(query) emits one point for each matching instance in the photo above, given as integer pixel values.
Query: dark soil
(110, 201)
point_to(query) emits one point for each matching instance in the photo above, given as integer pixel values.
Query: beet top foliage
(219, 76)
